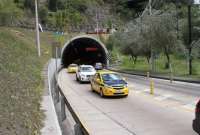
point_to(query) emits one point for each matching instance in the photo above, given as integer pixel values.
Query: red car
(196, 121)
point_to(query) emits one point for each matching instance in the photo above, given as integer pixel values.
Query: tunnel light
(91, 49)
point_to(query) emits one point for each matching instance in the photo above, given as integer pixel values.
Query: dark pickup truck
(196, 121)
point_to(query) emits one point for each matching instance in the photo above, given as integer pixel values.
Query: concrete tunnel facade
(84, 50)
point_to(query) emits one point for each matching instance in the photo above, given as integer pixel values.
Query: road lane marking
(190, 106)
(163, 97)
(138, 91)
(146, 90)
(164, 101)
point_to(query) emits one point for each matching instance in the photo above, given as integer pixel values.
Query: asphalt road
(181, 87)
(139, 113)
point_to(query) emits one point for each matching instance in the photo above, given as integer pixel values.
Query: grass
(21, 82)
(179, 66)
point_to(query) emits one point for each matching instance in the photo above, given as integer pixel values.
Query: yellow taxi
(108, 83)
(72, 68)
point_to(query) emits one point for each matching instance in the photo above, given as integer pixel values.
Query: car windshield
(73, 65)
(87, 69)
(98, 64)
(111, 77)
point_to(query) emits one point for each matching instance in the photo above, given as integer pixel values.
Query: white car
(84, 73)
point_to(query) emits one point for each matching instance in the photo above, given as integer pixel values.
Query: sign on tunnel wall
(91, 49)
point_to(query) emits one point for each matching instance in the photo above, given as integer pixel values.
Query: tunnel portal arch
(84, 50)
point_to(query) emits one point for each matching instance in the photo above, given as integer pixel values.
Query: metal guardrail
(59, 97)
(156, 76)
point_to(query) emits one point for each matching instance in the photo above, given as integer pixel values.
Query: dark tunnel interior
(84, 50)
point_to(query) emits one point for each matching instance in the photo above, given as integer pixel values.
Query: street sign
(196, 2)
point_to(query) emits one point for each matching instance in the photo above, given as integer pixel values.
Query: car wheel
(126, 96)
(80, 80)
(101, 93)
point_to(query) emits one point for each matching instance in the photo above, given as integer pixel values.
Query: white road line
(189, 106)
(146, 90)
(163, 97)
(138, 91)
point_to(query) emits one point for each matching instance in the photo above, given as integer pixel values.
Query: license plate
(118, 91)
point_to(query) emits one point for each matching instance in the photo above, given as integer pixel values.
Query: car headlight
(82, 75)
(126, 85)
(107, 86)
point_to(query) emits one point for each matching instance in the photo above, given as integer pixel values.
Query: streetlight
(37, 28)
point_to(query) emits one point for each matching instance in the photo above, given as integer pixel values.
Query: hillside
(67, 14)
(20, 81)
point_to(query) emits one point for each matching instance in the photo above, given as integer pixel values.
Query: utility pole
(37, 28)
(190, 39)
(97, 22)
(177, 19)
(150, 7)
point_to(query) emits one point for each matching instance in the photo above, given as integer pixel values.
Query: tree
(9, 12)
(132, 42)
(164, 36)
(52, 5)
(30, 4)
(43, 15)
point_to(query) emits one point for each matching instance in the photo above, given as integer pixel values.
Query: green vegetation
(68, 14)
(179, 66)
(162, 34)
(21, 82)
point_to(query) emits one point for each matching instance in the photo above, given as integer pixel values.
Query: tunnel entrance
(84, 50)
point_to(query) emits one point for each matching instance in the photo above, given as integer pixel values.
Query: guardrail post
(147, 75)
(77, 129)
(171, 73)
(63, 114)
(52, 85)
(57, 93)
(171, 77)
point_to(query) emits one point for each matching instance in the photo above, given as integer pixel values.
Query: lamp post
(189, 38)
(190, 3)
(152, 51)
(37, 28)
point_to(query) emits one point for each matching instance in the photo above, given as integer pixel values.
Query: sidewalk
(51, 124)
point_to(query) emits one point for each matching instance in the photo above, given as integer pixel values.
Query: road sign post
(56, 51)
(151, 87)
(148, 75)
(171, 73)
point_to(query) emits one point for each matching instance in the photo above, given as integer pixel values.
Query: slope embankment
(21, 84)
